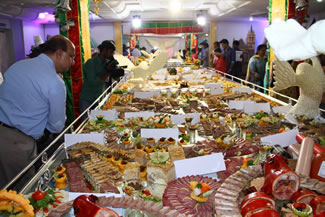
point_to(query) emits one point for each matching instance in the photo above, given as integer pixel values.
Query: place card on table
(144, 95)
(110, 115)
(284, 139)
(71, 139)
(158, 133)
(252, 108)
(238, 104)
(144, 114)
(213, 85)
(282, 109)
(241, 90)
(200, 165)
(215, 91)
(180, 119)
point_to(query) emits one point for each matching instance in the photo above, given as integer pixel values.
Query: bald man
(32, 99)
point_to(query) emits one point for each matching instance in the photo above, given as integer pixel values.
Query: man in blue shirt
(32, 99)
(136, 52)
(229, 55)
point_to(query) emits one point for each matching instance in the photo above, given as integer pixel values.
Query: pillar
(212, 36)
(278, 10)
(118, 37)
(79, 34)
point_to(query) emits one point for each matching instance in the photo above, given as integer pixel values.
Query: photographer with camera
(98, 69)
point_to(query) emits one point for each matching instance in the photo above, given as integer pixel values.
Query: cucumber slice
(159, 157)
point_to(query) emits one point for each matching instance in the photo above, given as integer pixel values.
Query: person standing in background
(125, 50)
(32, 99)
(194, 54)
(136, 52)
(200, 55)
(236, 70)
(229, 55)
(256, 66)
(216, 45)
(219, 62)
(205, 57)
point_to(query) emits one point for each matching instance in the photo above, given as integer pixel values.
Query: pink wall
(238, 30)
(31, 29)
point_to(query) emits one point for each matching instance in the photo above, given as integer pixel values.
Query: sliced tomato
(38, 195)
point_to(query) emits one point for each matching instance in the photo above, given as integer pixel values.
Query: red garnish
(146, 192)
(171, 139)
(126, 134)
(123, 162)
(162, 139)
(142, 168)
(139, 146)
(149, 146)
(116, 158)
(45, 210)
(58, 168)
(109, 156)
(38, 195)
(182, 141)
(301, 205)
(61, 175)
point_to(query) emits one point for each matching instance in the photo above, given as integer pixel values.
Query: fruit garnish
(182, 141)
(146, 193)
(159, 157)
(123, 162)
(142, 168)
(139, 146)
(301, 209)
(61, 175)
(116, 158)
(149, 146)
(109, 156)
(59, 168)
(38, 195)
(170, 139)
(162, 139)
(204, 187)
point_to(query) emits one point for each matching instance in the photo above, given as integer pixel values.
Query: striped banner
(168, 28)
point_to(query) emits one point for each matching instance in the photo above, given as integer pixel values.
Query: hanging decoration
(168, 27)
(96, 6)
(63, 5)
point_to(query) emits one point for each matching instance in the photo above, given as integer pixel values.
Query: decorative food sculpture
(291, 41)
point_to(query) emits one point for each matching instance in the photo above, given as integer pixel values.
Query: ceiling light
(201, 19)
(319, 0)
(175, 5)
(206, 35)
(251, 18)
(41, 15)
(136, 21)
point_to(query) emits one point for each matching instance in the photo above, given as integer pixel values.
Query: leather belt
(5, 125)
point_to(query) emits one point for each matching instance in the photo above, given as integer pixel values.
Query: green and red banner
(168, 27)
(74, 77)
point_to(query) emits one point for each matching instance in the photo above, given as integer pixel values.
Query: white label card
(159, 133)
(284, 139)
(71, 139)
(282, 109)
(252, 108)
(110, 115)
(144, 114)
(237, 104)
(143, 95)
(180, 119)
(241, 90)
(213, 85)
(216, 91)
(321, 171)
(200, 165)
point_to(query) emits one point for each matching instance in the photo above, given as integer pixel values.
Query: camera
(113, 64)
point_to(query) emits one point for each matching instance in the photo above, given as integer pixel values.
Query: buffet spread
(186, 121)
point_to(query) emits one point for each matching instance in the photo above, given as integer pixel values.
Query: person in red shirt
(219, 61)
(194, 54)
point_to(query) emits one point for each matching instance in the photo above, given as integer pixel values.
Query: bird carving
(309, 78)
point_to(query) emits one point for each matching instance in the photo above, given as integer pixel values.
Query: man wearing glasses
(32, 99)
